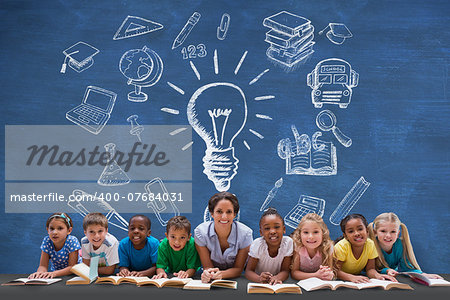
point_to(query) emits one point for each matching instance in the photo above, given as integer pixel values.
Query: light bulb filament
(215, 114)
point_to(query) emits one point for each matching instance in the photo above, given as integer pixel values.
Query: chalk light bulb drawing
(218, 113)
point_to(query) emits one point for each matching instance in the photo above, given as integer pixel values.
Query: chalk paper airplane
(134, 26)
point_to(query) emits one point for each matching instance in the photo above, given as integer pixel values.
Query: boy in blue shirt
(139, 251)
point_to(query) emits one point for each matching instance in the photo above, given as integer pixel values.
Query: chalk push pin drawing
(112, 174)
(337, 33)
(143, 68)
(80, 57)
(136, 129)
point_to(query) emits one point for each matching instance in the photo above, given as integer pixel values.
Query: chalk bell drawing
(308, 156)
(305, 205)
(218, 124)
(332, 81)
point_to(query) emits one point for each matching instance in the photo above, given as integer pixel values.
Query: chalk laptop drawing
(305, 205)
(94, 111)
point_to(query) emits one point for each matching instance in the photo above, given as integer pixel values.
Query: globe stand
(137, 95)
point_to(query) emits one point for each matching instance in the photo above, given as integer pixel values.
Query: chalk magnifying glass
(326, 121)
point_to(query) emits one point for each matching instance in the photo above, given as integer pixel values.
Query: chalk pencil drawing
(223, 26)
(85, 203)
(351, 198)
(143, 68)
(95, 109)
(290, 38)
(271, 194)
(136, 128)
(159, 201)
(133, 26)
(306, 157)
(337, 33)
(331, 82)
(79, 57)
(326, 121)
(218, 126)
(186, 30)
(305, 205)
(112, 174)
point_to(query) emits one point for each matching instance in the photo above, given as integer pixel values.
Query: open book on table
(199, 285)
(116, 280)
(86, 274)
(265, 288)
(313, 283)
(35, 281)
(422, 279)
(162, 282)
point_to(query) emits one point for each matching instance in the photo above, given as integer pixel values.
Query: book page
(197, 284)
(322, 159)
(313, 283)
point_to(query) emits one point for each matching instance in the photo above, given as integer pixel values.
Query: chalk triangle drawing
(134, 26)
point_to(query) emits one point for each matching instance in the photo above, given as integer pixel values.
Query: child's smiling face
(272, 229)
(356, 232)
(311, 235)
(177, 238)
(387, 233)
(96, 234)
(138, 232)
(57, 232)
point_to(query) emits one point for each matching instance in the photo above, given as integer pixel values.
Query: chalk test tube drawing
(112, 174)
(337, 33)
(158, 202)
(223, 26)
(85, 203)
(134, 26)
(95, 109)
(136, 129)
(207, 215)
(271, 194)
(305, 205)
(326, 121)
(79, 57)
(290, 38)
(349, 201)
(332, 81)
(187, 28)
(218, 127)
(143, 68)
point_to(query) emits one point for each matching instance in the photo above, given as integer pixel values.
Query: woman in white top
(270, 255)
(223, 243)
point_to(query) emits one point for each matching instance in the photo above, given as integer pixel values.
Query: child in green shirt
(177, 253)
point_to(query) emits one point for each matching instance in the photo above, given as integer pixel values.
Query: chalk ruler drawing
(350, 199)
(85, 203)
(95, 109)
(136, 129)
(337, 33)
(332, 81)
(112, 174)
(326, 121)
(134, 26)
(223, 26)
(181, 37)
(306, 157)
(79, 57)
(159, 197)
(290, 38)
(305, 205)
(143, 68)
(271, 194)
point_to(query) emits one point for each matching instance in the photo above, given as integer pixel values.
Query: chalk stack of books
(290, 38)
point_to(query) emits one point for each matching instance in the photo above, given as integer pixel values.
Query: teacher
(223, 243)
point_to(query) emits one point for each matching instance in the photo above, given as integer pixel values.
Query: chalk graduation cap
(133, 26)
(80, 57)
(337, 33)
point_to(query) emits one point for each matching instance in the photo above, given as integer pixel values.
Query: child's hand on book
(45, 275)
(359, 279)
(137, 274)
(391, 272)
(385, 277)
(160, 275)
(324, 273)
(274, 280)
(181, 274)
(124, 272)
(265, 277)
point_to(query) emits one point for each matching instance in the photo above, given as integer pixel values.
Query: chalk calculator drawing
(332, 81)
(305, 205)
(134, 26)
(290, 38)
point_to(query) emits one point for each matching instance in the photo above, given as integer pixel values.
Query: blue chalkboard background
(396, 118)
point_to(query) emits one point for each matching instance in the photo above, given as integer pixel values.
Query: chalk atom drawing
(305, 205)
(332, 81)
(290, 38)
(134, 26)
